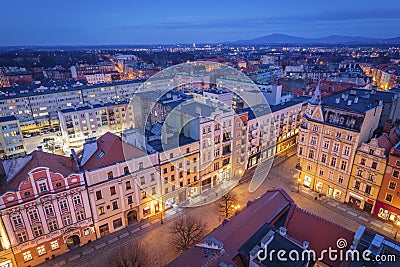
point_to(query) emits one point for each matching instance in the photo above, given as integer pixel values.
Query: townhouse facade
(366, 176)
(123, 183)
(387, 207)
(44, 207)
(333, 129)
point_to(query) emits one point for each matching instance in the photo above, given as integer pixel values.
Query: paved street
(155, 236)
(31, 143)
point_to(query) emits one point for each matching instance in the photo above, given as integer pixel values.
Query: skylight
(100, 154)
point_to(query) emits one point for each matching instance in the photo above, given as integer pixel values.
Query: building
(123, 183)
(11, 140)
(388, 205)
(79, 72)
(179, 168)
(333, 129)
(87, 121)
(366, 176)
(273, 221)
(101, 77)
(195, 81)
(44, 207)
(20, 77)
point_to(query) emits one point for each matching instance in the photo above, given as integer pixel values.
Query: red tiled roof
(56, 163)
(239, 229)
(322, 234)
(115, 150)
(388, 141)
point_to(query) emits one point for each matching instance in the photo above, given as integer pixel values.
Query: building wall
(41, 220)
(11, 140)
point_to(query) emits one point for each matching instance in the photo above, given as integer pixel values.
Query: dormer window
(42, 187)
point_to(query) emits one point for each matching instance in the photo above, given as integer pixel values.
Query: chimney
(74, 157)
(2, 173)
(40, 148)
(349, 103)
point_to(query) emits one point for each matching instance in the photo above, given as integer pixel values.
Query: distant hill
(277, 38)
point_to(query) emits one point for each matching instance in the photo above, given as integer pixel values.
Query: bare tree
(187, 231)
(227, 204)
(131, 254)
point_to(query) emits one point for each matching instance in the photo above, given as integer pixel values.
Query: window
(52, 225)
(42, 187)
(172, 168)
(343, 166)
(368, 189)
(115, 205)
(22, 237)
(172, 177)
(396, 174)
(48, 209)
(80, 216)
(144, 194)
(33, 215)
(99, 195)
(171, 155)
(338, 135)
(359, 173)
(357, 185)
(110, 175)
(313, 140)
(117, 223)
(152, 177)
(187, 150)
(41, 250)
(130, 200)
(300, 151)
(27, 256)
(335, 147)
(349, 137)
(126, 170)
(67, 220)
(392, 185)
(315, 128)
(340, 180)
(37, 230)
(321, 172)
(333, 162)
(58, 184)
(311, 154)
(63, 204)
(330, 175)
(165, 170)
(140, 165)
(323, 158)
(142, 180)
(101, 210)
(389, 197)
(128, 185)
(362, 162)
(346, 151)
(374, 165)
(54, 245)
(326, 144)
(77, 200)
(153, 190)
(112, 190)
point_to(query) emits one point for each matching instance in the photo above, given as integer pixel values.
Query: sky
(98, 22)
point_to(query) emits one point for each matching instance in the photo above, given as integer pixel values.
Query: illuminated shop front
(387, 212)
(307, 181)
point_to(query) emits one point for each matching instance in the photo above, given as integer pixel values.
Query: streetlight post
(299, 169)
(161, 219)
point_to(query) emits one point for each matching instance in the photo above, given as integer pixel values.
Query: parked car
(27, 135)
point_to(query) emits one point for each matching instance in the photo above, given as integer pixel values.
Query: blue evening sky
(46, 22)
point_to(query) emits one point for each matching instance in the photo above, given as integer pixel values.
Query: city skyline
(165, 23)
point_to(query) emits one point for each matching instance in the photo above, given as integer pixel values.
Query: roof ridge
(320, 218)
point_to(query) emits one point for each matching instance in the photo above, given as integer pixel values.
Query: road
(156, 237)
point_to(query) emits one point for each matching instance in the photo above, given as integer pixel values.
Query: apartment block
(11, 140)
(87, 121)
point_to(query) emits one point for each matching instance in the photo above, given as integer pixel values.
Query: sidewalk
(361, 217)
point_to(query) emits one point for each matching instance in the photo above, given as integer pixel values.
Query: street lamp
(299, 169)
(397, 225)
(235, 207)
(161, 220)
